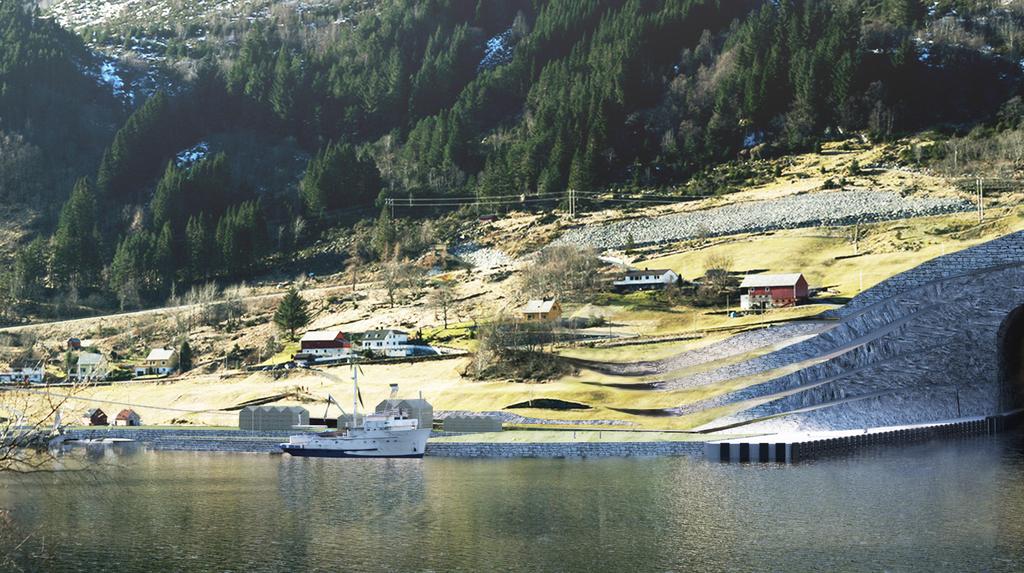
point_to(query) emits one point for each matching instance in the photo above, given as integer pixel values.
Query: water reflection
(932, 507)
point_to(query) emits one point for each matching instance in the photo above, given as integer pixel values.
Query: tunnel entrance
(1011, 359)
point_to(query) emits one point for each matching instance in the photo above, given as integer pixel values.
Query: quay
(804, 446)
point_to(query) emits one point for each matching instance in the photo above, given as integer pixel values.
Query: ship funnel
(394, 391)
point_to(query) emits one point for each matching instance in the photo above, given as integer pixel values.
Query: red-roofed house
(761, 292)
(127, 417)
(325, 344)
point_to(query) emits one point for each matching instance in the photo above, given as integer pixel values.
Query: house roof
(89, 358)
(380, 334)
(93, 411)
(160, 354)
(289, 409)
(322, 336)
(26, 365)
(640, 273)
(765, 280)
(418, 403)
(538, 306)
(126, 413)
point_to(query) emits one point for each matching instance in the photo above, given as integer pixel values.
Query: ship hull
(360, 444)
(331, 453)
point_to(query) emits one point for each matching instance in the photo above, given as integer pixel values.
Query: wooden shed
(94, 417)
(127, 417)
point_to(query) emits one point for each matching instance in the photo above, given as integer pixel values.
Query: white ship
(383, 435)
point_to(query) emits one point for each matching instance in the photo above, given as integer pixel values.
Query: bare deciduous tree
(567, 272)
(716, 274)
(441, 298)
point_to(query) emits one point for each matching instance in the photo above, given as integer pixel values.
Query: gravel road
(809, 210)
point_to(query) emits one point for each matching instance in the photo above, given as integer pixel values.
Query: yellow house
(160, 361)
(541, 310)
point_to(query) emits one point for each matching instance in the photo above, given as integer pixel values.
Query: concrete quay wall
(267, 442)
(565, 450)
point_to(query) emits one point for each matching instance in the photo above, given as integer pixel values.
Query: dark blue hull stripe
(323, 453)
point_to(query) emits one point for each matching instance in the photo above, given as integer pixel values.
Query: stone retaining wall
(1008, 250)
(565, 450)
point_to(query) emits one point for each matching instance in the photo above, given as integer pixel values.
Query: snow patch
(193, 154)
(752, 139)
(498, 51)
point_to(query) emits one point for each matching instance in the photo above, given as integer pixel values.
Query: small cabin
(127, 417)
(541, 310)
(94, 417)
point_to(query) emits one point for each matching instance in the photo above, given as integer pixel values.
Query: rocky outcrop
(796, 211)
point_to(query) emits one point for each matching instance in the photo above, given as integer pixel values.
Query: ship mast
(355, 391)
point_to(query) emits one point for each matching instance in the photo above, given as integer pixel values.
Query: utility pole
(981, 202)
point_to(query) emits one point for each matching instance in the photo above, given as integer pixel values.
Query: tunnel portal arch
(1011, 359)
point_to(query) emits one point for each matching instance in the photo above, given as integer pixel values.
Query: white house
(161, 361)
(393, 343)
(23, 372)
(90, 366)
(646, 279)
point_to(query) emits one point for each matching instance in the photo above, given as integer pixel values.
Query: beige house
(541, 310)
(90, 366)
(160, 361)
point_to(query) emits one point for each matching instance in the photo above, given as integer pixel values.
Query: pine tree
(168, 202)
(185, 356)
(385, 235)
(336, 177)
(76, 243)
(163, 259)
(131, 267)
(199, 249)
(291, 313)
(29, 270)
(282, 90)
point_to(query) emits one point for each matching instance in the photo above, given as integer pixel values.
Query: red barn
(325, 343)
(760, 292)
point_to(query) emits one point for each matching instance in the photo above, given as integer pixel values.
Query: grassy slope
(887, 249)
(441, 383)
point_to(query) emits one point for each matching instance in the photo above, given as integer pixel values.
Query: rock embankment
(810, 210)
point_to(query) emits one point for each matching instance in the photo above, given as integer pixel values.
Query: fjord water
(935, 507)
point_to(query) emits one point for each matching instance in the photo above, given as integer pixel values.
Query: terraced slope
(922, 346)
